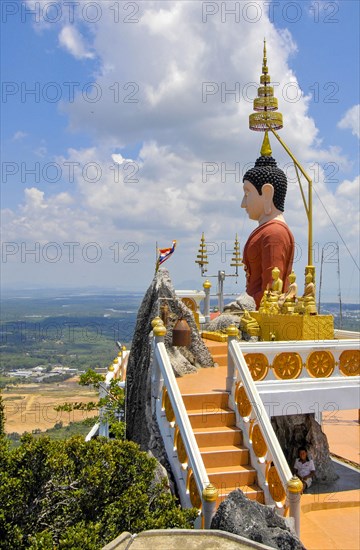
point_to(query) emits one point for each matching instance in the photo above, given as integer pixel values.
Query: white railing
(274, 475)
(117, 371)
(305, 377)
(178, 436)
(304, 359)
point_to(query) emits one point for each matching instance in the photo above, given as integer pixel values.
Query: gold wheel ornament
(276, 488)
(242, 401)
(287, 366)
(195, 498)
(258, 365)
(169, 412)
(349, 362)
(320, 364)
(258, 442)
(180, 448)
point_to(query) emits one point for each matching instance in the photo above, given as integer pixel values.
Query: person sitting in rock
(271, 243)
(304, 468)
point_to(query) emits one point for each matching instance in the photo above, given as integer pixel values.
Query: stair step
(218, 436)
(215, 347)
(206, 402)
(228, 455)
(220, 358)
(252, 492)
(229, 476)
(222, 417)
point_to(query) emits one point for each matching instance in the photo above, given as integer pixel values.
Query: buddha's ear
(267, 191)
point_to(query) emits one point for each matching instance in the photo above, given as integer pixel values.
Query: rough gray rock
(242, 303)
(247, 518)
(221, 322)
(141, 427)
(302, 430)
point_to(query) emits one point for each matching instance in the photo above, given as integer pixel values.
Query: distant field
(31, 406)
(72, 330)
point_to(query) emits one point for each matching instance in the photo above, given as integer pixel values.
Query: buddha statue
(277, 284)
(271, 243)
(287, 301)
(309, 295)
(249, 325)
(264, 303)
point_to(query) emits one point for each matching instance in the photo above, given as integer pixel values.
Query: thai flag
(164, 254)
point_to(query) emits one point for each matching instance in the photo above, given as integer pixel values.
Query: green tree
(113, 401)
(75, 494)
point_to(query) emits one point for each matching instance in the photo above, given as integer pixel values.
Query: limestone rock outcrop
(302, 430)
(141, 427)
(242, 303)
(257, 522)
(221, 322)
(233, 313)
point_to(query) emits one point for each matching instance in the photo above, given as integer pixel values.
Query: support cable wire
(321, 272)
(336, 229)
(339, 293)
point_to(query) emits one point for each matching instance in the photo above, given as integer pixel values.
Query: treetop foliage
(73, 494)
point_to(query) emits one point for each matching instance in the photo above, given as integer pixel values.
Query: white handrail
(261, 414)
(305, 345)
(182, 419)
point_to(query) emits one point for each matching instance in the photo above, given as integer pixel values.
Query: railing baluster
(291, 485)
(162, 362)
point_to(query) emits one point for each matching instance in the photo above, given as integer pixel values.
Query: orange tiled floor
(342, 429)
(329, 521)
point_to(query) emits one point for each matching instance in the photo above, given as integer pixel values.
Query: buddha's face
(252, 201)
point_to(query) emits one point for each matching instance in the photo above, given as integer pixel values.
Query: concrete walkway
(183, 539)
(330, 514)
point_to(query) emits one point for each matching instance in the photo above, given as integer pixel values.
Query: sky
(125, 125)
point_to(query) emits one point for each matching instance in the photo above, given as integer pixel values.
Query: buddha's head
(292, 277)
(265, 188)
(275, 273)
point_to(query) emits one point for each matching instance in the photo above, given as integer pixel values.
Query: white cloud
(154, 101)
(350, 189)
(19, 135)
(71, 39)
(351, 120)
(119, 159)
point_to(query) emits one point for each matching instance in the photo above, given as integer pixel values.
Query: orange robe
(269, 245)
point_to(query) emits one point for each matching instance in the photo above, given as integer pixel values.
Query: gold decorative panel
(287, 365)
(243, 403)
(276, 488)
(349, 362)
(258, 365)
(170, 415)
(258, 442)
(180, 448)
(195, 498)
(320, 364)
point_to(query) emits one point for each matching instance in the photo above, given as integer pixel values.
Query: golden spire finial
(202, 261)
(266, 147)
(264, 67)
(265, 103)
